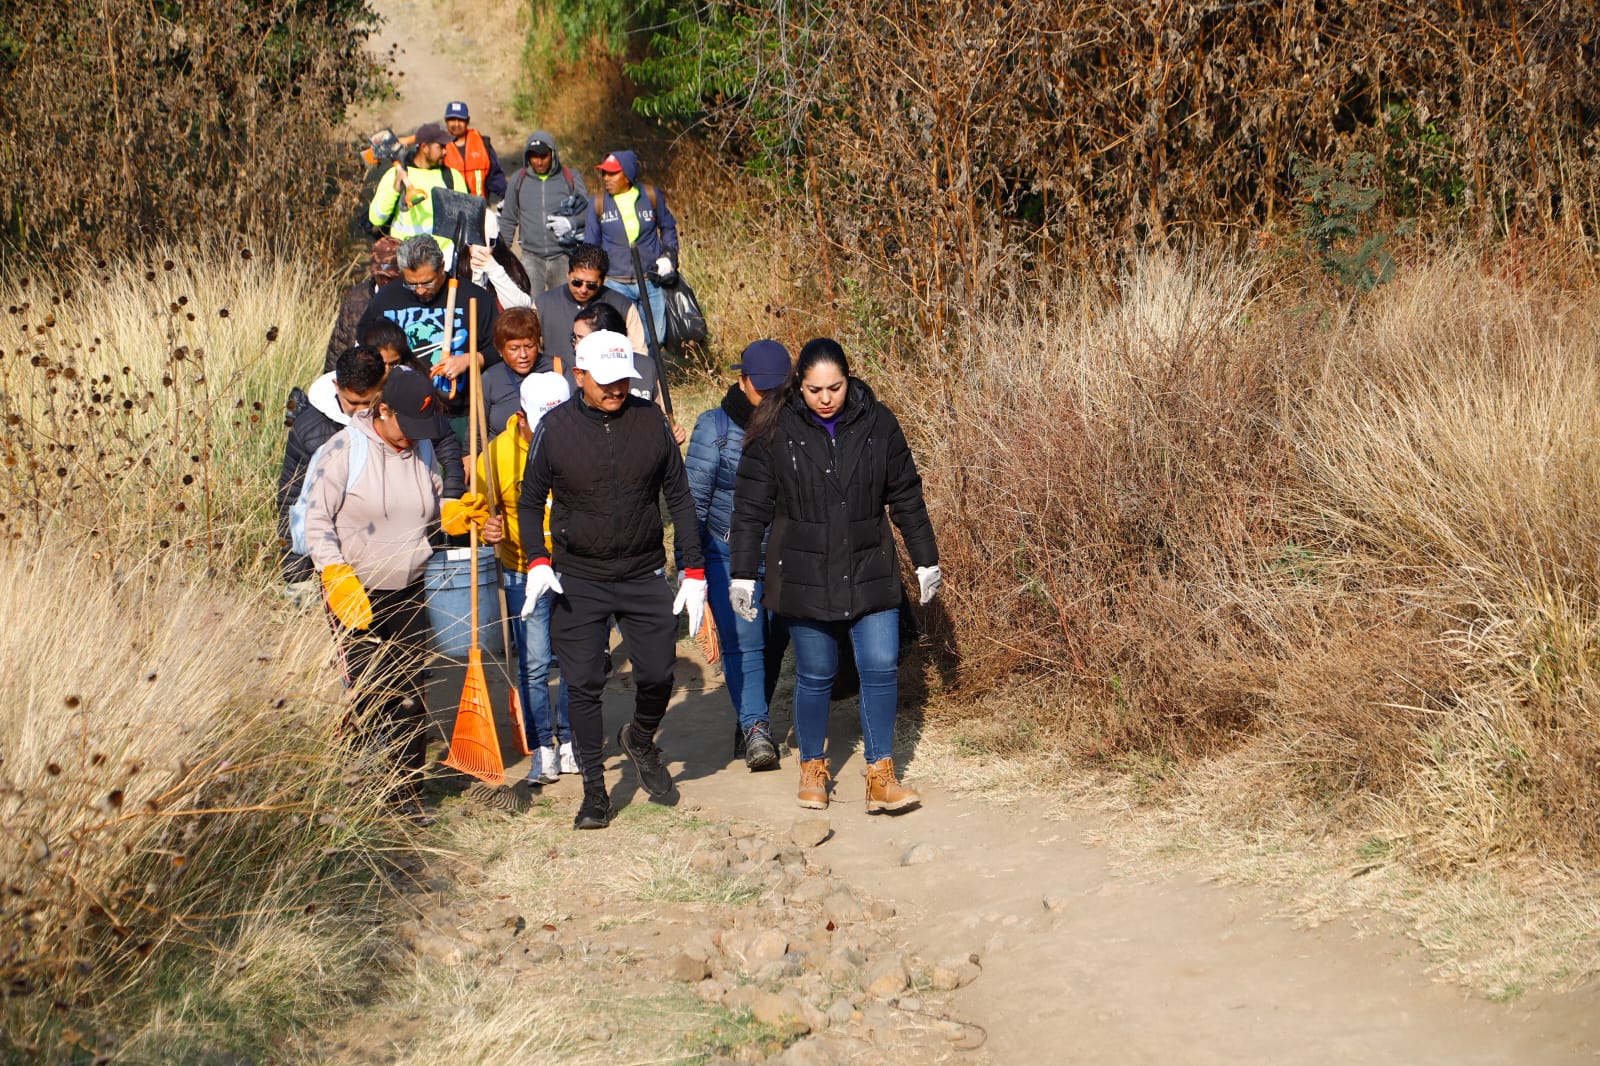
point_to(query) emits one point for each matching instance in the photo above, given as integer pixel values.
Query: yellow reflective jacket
(415, 216)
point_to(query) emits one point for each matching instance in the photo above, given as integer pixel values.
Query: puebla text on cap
(606, 357)
(765, 363)
(543, 393)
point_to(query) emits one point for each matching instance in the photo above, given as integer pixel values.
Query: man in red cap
(629, 215)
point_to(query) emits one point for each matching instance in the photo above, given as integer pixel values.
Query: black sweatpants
(383, 666)
(579, 635)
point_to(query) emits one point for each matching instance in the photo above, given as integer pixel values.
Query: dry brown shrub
(130, 124)
(955, 148)
(1353, 547)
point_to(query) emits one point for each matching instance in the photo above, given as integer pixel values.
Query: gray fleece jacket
(379, 527)
(530, 198)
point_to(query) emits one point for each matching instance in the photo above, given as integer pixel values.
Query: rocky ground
(731, 941)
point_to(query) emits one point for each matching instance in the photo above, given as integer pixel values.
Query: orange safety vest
(475, 167)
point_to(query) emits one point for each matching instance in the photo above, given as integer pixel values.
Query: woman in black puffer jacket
(828, 466)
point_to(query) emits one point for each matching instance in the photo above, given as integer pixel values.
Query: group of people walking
(782, 514)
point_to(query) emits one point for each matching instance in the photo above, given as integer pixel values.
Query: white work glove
(742, 591)
(541, 579)
(560, 226)
(930, 578)
(664, 269)
(691, 596)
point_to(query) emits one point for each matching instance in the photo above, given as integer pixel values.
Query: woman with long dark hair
(827, 466)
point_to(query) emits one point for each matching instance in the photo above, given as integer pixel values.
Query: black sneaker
(646, 760)
(595, 810)
(759, 751)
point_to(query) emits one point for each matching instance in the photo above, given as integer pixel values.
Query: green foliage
(700, 58)
(612, 24)
(1336, 204)
(1419, 162)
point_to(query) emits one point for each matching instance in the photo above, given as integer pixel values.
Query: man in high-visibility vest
(403, 201)
(472, 155)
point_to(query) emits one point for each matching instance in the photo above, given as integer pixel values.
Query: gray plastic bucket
(448, 583)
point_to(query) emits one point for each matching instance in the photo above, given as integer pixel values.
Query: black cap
(432, 133)
(418, 411)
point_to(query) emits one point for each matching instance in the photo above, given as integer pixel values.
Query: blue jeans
(744, 644)
(534, 660)
(658, 303)
(876, 641)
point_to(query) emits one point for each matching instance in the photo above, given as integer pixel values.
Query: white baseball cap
(542, 393)
(606, 356)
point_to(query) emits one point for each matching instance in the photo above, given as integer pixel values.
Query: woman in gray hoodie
(374, 499)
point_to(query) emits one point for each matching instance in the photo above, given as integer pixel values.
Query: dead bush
(129, 124)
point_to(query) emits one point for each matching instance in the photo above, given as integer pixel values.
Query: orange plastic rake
(474, 745)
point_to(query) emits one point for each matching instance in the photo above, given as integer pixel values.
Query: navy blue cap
(456, 109)
(766, 363)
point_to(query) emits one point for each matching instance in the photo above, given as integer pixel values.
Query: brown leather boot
(814, 778)
(884, 791)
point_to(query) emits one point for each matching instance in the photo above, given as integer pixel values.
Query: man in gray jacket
(544, 207)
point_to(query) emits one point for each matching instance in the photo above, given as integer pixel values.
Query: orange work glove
(346, 598)
(469, 512)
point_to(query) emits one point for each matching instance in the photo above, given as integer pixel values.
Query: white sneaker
(569, 762)
(545, 769)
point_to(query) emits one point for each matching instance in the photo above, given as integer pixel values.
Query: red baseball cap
(609, 165)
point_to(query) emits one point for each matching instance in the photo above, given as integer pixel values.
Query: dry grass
(187, 858)
(190, 850)
(143, 402)
(1314, 581)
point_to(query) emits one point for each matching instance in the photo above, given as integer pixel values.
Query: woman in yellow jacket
(508, 451)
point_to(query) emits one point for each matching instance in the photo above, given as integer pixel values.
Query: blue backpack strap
(724, 428)
(358, 457)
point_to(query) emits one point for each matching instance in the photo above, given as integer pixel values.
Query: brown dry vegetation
(191, 854)
(962, 150)
(1199, 500)
(122, 125)
(1352, 548)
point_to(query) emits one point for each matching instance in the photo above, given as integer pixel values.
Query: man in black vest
(606, 457)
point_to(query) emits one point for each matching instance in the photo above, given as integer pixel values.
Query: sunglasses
(579, 283)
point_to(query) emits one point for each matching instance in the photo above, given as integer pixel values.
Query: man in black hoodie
(544, 208)
(605, 457)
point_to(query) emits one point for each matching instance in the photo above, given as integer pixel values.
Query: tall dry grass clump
(1349, 547)
(190, 850)
(143, 403)
(187, 850)
(1455, 452)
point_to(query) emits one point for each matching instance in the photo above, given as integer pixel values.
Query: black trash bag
(686, 323)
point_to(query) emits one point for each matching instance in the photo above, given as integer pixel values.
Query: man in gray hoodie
(544, 208)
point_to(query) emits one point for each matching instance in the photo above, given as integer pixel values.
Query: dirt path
(1082, 963)
(439, 55)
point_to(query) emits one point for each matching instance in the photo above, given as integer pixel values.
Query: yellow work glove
(346, 598)
(469, 512)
